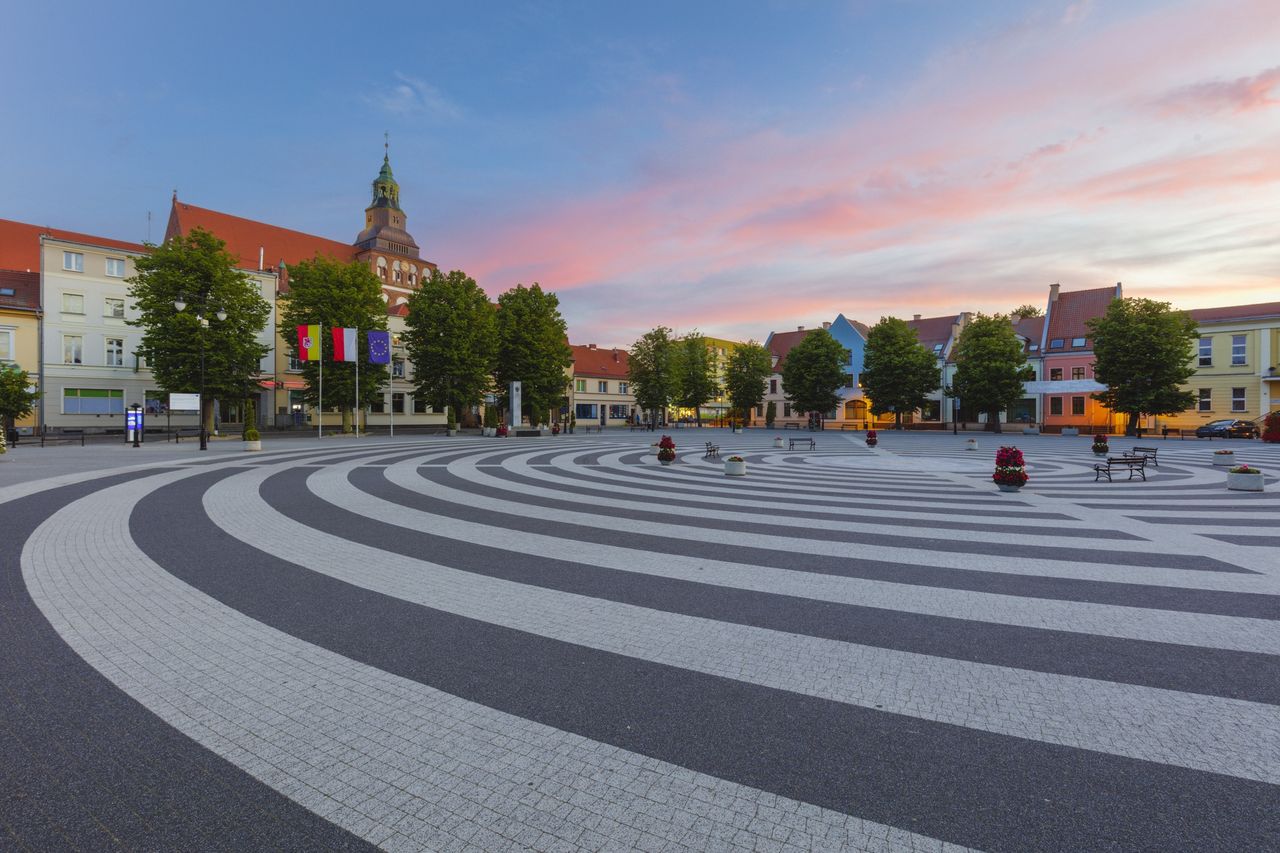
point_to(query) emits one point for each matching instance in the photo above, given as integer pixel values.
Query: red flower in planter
(871, 438)
(1010, 470)
(666, 443)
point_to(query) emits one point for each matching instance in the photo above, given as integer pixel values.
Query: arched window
(382, 268)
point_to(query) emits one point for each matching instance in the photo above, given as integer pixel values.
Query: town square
(698, 427)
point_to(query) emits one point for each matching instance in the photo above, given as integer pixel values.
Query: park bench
(65, 437)
(1149, 453)
(791, 425)
(1132, 463)
(813, 445)
(713, 451)
(188, 432)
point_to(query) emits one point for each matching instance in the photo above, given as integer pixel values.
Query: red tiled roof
(593, 361)
(1069, 316)
(1236, 312)
(780, 343)
(20, 243)
(933, 330)
(1030, 328)
(244, 237)
(25, 287)
(863, 328)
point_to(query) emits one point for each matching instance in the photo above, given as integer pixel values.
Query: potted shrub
(1011, 472)
(1243, 478)
(1271, 428)
(452, 425)
(872, 441)
(1224, 458)
(777, 441)
(252, 440)
(666, 450)
(770, 414)
(735, 466)
(1100, 446)
(490, 420)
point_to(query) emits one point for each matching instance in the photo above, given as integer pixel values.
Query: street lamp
(181, 304)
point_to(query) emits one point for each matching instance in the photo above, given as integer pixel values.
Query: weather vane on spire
(386, 143)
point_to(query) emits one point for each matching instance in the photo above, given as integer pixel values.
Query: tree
(1141, 349)
(695, 381)
(990, 367)
(197, 269)
(451, 336)
(337, 295)
(533, 348)
(746, 376)
(651, 370)
(898, 373)
(814, 372)
(770, 414)
(16, 397)
(1024, 311)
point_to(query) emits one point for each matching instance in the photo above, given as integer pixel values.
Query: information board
(184, 402)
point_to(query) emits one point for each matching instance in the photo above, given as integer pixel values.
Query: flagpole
(391, 373)
(357, 383)
(320, 420)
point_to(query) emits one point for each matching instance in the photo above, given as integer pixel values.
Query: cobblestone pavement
(558, 644)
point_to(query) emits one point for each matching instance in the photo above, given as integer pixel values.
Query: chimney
(799, 328)
(1119, 291)
(915, 318)
(1053, 293)
(262, 251)
(615, 354)
(826, 324)
(591, 346)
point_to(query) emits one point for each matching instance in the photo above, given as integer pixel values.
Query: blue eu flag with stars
(379, 347)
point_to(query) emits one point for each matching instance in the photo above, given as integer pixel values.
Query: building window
(115, 352)
(622, 387)
(378, 407)
(584, 411)
(580, 385)
(759, 411)
(1056, 343)
(603, 386)
(1055, 405)
(72, 349)
(1238, 400)
(937, 349)
(6, 344)
(397, 371)
(397, 403)
(295, 364)
(773, 386)
(619, 413)
(1206, 352)
(113, 308)
(1077, 373)
(786, 410)
(1077, 342)
(73, 303)
(1055, 374)
(115, 267)
(73, 261)
(1206, 399)
(92, 401)
(1237, 349)
(931, 410)
(1077, 405)
(419, 404)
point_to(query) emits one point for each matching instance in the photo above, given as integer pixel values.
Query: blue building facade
(852, 335)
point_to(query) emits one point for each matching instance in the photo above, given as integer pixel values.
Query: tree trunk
(697, 414)
(897, 419)
(346, 419)
(206, 414)
(1131, 428)
(994, 419)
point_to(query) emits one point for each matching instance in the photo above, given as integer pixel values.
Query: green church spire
(386, 192)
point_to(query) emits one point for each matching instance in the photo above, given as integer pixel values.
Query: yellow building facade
(20, 332)
(1236, 359)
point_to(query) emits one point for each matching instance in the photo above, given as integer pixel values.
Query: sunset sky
(735, 167)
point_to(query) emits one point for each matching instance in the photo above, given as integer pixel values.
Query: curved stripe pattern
(471, 644)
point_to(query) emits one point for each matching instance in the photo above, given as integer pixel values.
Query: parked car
(1228, 429)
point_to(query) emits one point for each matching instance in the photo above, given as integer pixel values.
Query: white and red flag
(344, 345)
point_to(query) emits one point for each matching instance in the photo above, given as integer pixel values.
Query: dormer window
(937, 348)
(1077, 342)
(1056, 343)
(1034, 347)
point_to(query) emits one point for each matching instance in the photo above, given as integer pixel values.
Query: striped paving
(561, 645)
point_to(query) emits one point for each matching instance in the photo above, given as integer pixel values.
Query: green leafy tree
(337, 295)
(451, 336)
(651, 370)
(990, 367)
(746, 376)
(1141, 352)
(197, 269)
(814, 373)
(16, 398)
(770, 414)
(533, 348)
(695, 381)
(1024, 311)
(898, 373)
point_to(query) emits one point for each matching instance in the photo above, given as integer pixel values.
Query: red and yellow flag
(308, 343)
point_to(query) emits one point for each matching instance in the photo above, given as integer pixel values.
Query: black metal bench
(1149, 453)
(1132, 463)
(68, 437)
(813, 445)
(713, 451)
(188, 432)
(791, 425)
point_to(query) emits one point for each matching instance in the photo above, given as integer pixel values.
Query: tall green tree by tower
(1142, 351)
(898, 373)
(336, 295)
(990, 367)
(533, 349)
(695, 381)
(451, 336)
(814, 373)
(197, 269)
(746, 377)
(651, 371)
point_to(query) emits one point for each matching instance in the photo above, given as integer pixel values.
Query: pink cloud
(1242, 95)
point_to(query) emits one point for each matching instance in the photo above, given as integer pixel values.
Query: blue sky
(682, 162)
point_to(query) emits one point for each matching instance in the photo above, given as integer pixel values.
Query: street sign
(184, 402)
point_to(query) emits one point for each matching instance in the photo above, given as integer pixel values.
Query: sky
(732, 167)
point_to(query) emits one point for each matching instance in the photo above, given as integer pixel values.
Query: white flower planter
(777, 442)
(1244, 482)
(653, 450)
(1224, 460)
(251, 446)
(1005, 487)
(735, 469)
(971, 444)
(1070, 431)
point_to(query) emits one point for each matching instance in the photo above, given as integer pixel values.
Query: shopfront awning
(1063, 386)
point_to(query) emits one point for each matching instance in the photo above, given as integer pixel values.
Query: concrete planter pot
(451, 432)
(1070, 431)
(1244, 482)
(971, 444)
(735, 469)
(653, 450)
(252, 446)
(1031, 430)
(777, 442)
(1224, 460)
(1005, 487)
(666, 461)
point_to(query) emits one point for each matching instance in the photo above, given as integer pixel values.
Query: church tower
(385, 245)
